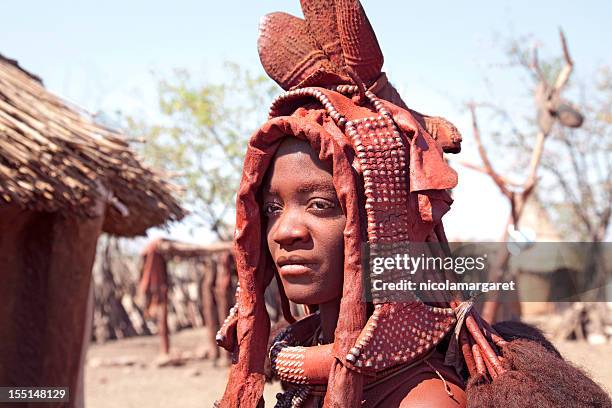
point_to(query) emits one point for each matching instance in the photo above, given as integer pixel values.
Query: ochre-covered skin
(391, 182)
(321, 130)
(247, 375)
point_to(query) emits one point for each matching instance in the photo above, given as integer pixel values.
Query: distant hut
(561, 278)
(536, 218)
(63, 180)
(216, 263)
(536, 277)
(548, 273)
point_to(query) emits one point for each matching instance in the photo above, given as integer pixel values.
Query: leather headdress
(391, 181)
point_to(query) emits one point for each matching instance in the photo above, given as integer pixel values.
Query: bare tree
(551, 108)
(580, 168)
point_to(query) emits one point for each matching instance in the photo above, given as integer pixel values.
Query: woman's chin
(308, 296)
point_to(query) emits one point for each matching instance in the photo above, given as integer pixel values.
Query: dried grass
(53, 157)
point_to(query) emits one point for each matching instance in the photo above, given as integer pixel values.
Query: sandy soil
(124, 374)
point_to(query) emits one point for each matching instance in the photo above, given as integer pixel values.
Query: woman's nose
(290, 229)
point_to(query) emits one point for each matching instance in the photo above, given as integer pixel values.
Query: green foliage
(202, 136)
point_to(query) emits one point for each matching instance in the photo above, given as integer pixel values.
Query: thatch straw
(54, 157)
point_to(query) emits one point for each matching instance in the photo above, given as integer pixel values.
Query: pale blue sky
(100, 55)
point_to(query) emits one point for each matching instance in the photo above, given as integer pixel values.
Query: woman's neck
(329, 319)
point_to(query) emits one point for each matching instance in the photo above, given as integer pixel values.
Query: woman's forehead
(291, 144)
(294, 151)
(296, 164)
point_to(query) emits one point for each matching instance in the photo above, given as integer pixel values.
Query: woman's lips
(295, 269)
(294, 265)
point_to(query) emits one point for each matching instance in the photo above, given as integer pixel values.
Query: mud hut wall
(47, 260)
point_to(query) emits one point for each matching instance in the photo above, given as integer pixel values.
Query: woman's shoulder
(434, 393)
(428, 383)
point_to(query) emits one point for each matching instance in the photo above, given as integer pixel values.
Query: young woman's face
(305, 224)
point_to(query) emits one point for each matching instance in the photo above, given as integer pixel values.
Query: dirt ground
(123, 373)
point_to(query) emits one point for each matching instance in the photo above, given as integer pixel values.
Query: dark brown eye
(321, 204)
(270, 209)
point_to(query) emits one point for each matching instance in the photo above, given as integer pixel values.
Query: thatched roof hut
(63, 180)
(54, 157)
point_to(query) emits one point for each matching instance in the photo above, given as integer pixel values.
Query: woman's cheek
(333, 242)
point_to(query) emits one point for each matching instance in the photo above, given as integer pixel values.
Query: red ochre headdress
(391, 180)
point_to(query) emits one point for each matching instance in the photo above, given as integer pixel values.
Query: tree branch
(483, 155)
(580, 173)
(577, 208)
(566, 71)
(536, 157)
(480, 169)
(218, 139)
(535, 66)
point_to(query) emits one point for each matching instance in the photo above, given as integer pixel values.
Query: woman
(336, 167)
(305, 224)
(300, 176)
